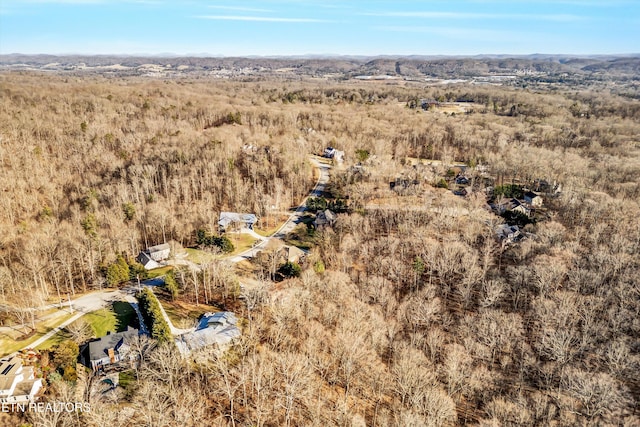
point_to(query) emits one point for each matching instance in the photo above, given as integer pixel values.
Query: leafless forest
(410, 312)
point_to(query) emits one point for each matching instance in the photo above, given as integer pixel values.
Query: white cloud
(239, 8)
(258, 18)
(480, 16)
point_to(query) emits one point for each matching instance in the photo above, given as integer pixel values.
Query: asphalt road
(295, 217)
(96, 300)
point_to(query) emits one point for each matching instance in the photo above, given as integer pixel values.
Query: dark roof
(530, 194)
(99, 348)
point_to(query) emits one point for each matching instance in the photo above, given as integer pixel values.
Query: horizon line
(324, 55)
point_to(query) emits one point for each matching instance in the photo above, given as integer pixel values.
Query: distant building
(403, 183)
(151, 257)
(425, 104)
(213, 329)
(462, 180)
(533, 199)
(513, 205)
(508, 233)
(228, 218)
(110, 349)
(17, 382)
(332, 153)
(325, 218)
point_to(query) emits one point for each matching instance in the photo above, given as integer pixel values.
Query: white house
(228, 218)
(17, 383)
(508, 233)
(151, 257)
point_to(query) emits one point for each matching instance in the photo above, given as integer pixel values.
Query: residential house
(513, 205)
(293, 254)
(332, 153)
(533, 199)
(151, 257)
(329, 152)
(228, 218)
(18, 383)
(213, 329)
(325, 218)
(109, 350)
(508, 233)
(403, 183)
(425, 104)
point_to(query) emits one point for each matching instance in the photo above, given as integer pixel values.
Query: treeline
(152, 315)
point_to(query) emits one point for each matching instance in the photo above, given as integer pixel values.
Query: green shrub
(362, 155)
(290, 269)
(118, 272)
(152, 314)
(442, 183)
(206, 239)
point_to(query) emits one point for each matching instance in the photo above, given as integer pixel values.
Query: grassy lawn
(115, 318)
(9, 340)
(242, 242)
(197, 256)
(157, 272)
(127, 380)
(302, 237)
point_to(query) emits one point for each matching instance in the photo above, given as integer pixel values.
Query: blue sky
(298, 27)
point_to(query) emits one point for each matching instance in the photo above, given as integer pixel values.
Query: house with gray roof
(217, 329)
(110, 349)
(151, 257)
(228, 218)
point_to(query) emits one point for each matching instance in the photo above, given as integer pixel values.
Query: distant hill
(346, 66)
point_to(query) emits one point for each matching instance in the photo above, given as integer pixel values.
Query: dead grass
(184, 315)
(269, 224)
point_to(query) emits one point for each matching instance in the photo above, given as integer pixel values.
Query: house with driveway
(243, 219)
(110, 350)
(214, 329)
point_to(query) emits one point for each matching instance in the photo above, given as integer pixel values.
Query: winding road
(96, 300)
(294, 218)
